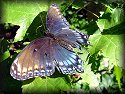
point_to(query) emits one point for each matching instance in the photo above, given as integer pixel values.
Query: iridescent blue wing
(36, 59)
(67, 61)
(55, 20)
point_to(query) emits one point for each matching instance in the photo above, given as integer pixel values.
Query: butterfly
(54, 50)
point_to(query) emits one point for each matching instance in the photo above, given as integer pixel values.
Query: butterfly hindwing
(67, 61)
(35, 60)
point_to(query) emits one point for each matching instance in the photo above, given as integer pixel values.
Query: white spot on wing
(14, 71)
(42, 71)
(60, 63)
(18, 74)
(12, 67)
(81, 40)
(48, 64)
(84, 37)
(15, 61)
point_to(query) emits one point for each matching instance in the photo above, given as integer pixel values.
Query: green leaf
(22, 13)
(107, 80)
(89, 77)
(118, 73)
(110, 18)
(4, 56)
(110, 46)
(46, 85)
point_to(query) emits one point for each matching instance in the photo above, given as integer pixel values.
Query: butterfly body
(55, 49)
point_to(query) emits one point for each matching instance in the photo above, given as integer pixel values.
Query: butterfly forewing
(75, 37)
(55, 20)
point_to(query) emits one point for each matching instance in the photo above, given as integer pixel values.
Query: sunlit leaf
(118, 73)
(111, 18)
(46, 85)
(22, 13)
(89, 77)
(110, 45)
(4, 56)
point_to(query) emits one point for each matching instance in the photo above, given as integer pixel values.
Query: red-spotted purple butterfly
(42, 55)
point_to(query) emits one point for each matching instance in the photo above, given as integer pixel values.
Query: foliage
(103, 68)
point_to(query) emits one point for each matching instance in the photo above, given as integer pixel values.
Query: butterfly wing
(55, 20)
(35, 60)
(74, 37)
(58, 25)
(67, 61)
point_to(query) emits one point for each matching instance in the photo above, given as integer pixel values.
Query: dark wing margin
(55, 20)
(36, 59)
